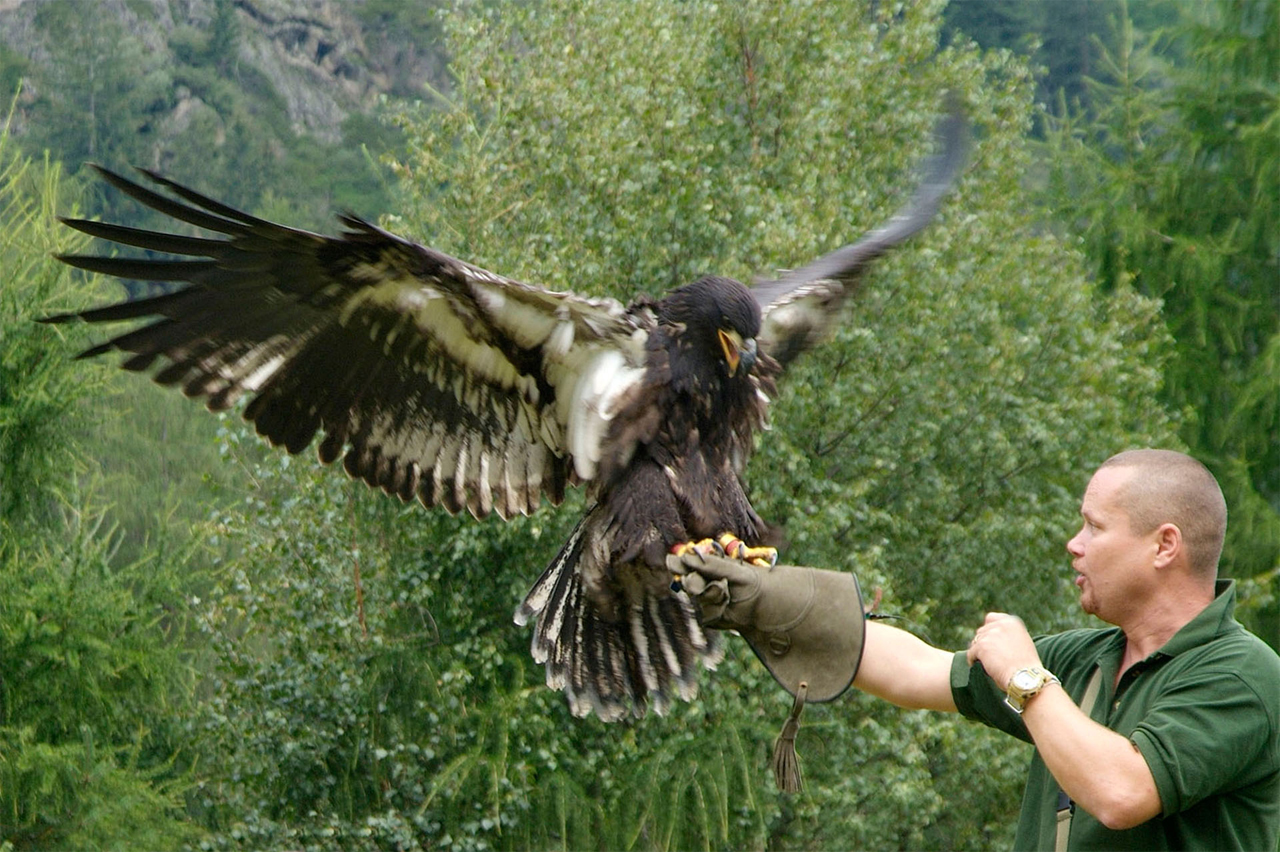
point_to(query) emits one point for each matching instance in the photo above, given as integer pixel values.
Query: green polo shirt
(1204, 711)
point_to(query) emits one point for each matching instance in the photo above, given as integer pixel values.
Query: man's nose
(1075, 546)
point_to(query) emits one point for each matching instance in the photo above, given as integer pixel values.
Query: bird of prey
(437, 380)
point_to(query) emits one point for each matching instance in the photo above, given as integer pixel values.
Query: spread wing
(800, 307)
(433, 378)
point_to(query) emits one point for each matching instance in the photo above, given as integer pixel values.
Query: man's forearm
(1102, 771)
(904, 669)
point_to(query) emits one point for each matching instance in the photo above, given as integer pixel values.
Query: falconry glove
(805, 624)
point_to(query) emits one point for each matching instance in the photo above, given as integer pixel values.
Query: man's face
(1108, 557)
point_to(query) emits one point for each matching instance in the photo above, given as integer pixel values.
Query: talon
(764, 557)
(736, 548)
(703, 548)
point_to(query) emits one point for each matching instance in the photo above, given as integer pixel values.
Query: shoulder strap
(1091, 691)
(1066, 807)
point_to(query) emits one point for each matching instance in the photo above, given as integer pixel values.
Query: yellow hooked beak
(736, 353)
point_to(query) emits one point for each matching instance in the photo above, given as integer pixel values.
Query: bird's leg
(729, 545)
(736, 548)
(706, 547)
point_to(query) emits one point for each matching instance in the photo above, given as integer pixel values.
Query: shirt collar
(1213, 620)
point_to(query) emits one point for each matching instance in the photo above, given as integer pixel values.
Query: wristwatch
(1026, 683)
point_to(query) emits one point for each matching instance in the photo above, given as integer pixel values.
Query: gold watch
(1026, 683)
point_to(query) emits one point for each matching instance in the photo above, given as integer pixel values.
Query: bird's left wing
(800, 307)
(433, 378)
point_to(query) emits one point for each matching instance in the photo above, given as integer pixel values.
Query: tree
(1176, 190)
(38, 390)
(94, 100)
(1061, 38)
(371, 690)
(93, 671)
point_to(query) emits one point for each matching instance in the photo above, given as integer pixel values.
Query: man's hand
(805, 624)
(1003, 645)
(1101, 770)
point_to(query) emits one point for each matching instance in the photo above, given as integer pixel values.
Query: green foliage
(157, 455)
(97, 98)
(38, 388)
(372, 691)
(93, 672)
(1060, 38)
(403, 40)
(59, 628)
(12, 69)
(220, 49)
(1175, 187)
(914, 445)
(76, 795)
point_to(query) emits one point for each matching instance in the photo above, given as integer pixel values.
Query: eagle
(436, 380)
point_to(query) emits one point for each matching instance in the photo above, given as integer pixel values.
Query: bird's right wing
(801, 307)
(430, 377)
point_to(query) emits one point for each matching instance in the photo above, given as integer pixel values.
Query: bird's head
(716, 321)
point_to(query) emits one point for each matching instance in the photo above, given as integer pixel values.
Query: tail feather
(620, 666)
(666, 645)
(643, 639)
(687, 636)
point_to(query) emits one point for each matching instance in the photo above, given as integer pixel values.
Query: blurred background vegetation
(209, 645)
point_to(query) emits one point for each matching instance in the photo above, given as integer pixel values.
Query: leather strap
(1066, 807)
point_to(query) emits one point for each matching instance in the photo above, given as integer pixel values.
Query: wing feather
(800, 308)
(429, 377)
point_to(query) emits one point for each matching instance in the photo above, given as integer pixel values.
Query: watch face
(1025, 680)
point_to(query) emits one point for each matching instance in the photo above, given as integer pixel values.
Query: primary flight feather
(437, 380)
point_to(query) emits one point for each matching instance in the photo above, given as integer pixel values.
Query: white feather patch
(605, 378)
(527, 325)
(561, 340)
(254, 380)
(436, 318)
(664, 638)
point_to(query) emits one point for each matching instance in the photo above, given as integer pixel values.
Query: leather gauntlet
(806, 625)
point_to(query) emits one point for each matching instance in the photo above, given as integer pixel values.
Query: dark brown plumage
(437, 380)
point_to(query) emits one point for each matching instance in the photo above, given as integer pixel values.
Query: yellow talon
(736, 548)
(706, 547)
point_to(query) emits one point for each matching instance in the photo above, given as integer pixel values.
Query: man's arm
(1102, 771)
(816, 617)
(904, 670)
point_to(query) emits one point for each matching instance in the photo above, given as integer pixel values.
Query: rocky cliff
(324, 60)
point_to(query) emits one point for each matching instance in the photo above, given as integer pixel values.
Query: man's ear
(1168, 539)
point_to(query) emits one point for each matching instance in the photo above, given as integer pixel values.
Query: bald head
(1168, 487)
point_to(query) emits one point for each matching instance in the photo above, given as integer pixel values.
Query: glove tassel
(786, 763)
